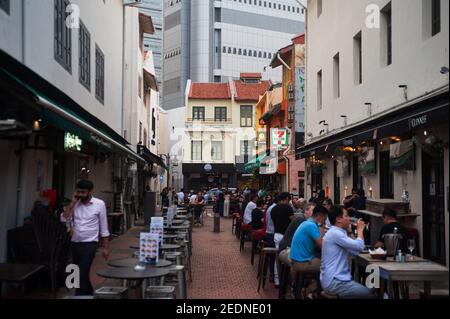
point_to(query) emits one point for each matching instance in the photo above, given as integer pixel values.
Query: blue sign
(161, 178)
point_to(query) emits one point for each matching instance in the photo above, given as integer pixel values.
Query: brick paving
(219, 270)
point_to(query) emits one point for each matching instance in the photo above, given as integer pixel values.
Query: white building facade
(377, 108)
(63, 101)
(212, 41)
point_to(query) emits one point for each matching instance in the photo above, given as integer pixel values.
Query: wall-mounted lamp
(405, 90)
(344, 117)
(425, 133)
(444, 70)
(369, 108)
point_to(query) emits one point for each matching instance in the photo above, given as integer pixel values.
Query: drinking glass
(411, 246)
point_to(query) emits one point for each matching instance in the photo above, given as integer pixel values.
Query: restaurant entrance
(433, 206)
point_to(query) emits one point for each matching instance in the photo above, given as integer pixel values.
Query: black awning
(32, 79)
(215, 168)
(150, 157)
(431, 111)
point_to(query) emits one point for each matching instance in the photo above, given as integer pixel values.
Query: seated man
(286, 242)
(258, 215)
(249, 208)
(335, 275)
(306, 239)
(390, 223)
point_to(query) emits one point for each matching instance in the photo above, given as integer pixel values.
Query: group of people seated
(318, 237)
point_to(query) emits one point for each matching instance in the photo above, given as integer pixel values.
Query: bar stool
(245, 230)
(264, 263)
(300, 282)
(328, 295)
(177, 271)
(234, 217)
(285, 270)
(257, 237)
(158, 292)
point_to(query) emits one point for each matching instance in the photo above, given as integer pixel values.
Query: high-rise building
(154, 42)
(211, 41)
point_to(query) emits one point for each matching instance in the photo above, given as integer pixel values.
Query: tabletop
(162, 247)
(17, 272)
(165, 236)
(416, 269)
(131, 262)
(126, 273)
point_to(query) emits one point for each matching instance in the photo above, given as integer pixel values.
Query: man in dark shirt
(258, 215)
(285, 243)
(282, 214)
(390, 223)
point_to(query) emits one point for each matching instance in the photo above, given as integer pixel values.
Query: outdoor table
(131, 262)
(10, 272)
(166, 236)
(173, 228)
(162, 247)
(126, 273)
(175, 222)
(418, 269)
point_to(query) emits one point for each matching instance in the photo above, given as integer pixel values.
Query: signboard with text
(279, 137)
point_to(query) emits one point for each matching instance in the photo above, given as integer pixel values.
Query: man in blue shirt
(335, 275)
(307, 237)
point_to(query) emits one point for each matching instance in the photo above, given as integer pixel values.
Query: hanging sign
(279, 137)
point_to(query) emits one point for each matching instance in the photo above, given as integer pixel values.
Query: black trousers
(83, 255)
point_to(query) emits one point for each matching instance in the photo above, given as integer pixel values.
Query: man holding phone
(88, 218)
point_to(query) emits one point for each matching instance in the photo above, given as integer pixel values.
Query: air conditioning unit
(132, 3)
(290, 88)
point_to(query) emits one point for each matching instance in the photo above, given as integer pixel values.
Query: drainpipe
(21, 149)
(23, 31)
(287, 159)
(19, 182)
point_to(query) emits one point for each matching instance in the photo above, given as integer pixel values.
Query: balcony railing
(209, 121)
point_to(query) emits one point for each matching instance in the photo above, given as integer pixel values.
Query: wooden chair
(53, 242)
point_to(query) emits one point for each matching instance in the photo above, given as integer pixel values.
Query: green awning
(70, 121)
(250, 166)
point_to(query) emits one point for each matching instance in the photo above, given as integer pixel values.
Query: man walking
(87, 215)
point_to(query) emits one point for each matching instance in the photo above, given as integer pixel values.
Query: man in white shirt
(88, 217)
(250, 207)
(180, 197)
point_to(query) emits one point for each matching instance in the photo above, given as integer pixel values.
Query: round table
(176, 227)
(162, 247)
(126, 273)
(131, 262)
(166, 236)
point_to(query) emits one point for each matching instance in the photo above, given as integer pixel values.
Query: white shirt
(89, 221)
(180, 196)
(248, 212)
(270, 227)
(192, 198)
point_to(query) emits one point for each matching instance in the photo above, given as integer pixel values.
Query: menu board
(149, 248)
(157, 227)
